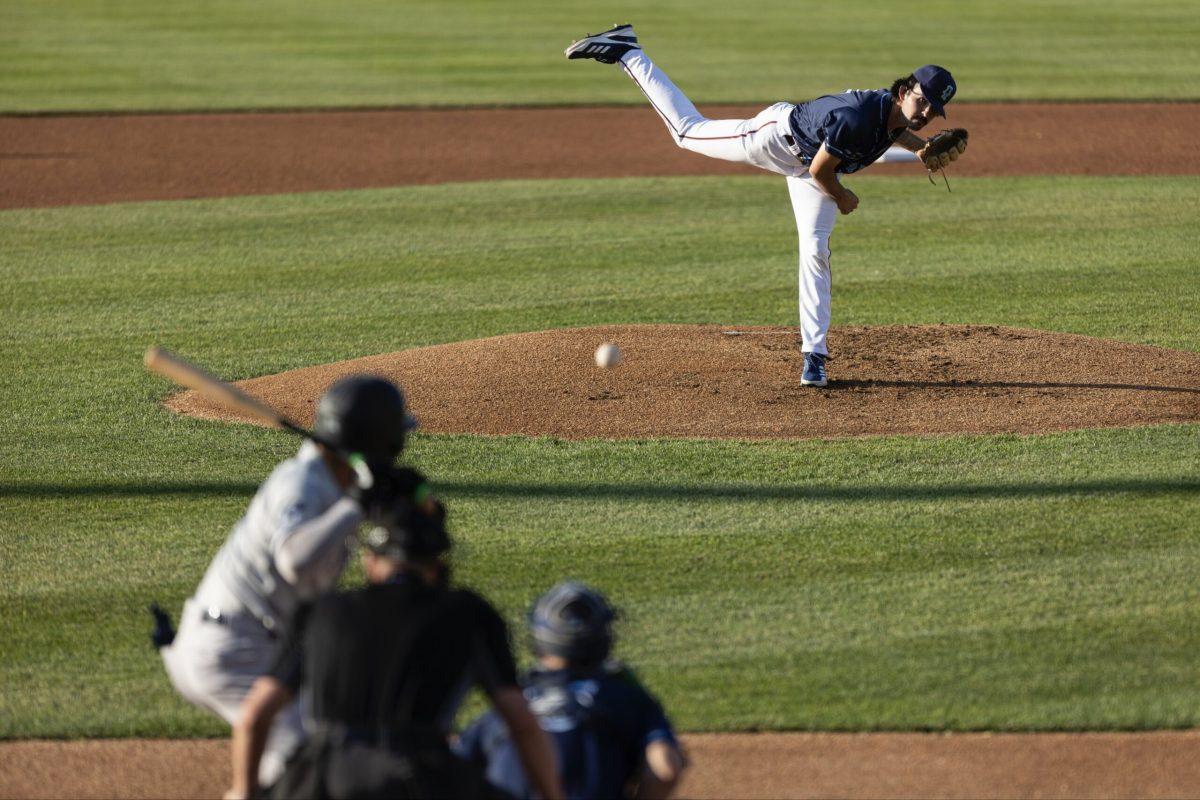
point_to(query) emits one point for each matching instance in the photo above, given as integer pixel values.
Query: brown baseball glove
(943, 147)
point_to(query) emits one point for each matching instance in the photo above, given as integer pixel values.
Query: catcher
(811, 143)
(611, 736)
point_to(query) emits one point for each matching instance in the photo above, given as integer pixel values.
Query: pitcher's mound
(738, 382)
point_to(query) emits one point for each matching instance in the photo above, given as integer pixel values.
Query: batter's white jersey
(291, 545)
(245, 575)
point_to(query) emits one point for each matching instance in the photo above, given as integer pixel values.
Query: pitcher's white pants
(214, 666)
(758, 141)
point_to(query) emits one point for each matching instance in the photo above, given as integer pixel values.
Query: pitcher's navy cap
(938, 86)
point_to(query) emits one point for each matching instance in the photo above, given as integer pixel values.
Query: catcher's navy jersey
(601, 722)
(852, 125)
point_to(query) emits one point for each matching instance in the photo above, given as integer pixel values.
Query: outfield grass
(71, 55)
(954, 582)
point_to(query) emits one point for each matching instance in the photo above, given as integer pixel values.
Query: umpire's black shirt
(394, 657)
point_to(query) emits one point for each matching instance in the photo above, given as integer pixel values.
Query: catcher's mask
(572, 621)
(408, 531)
(364, 415)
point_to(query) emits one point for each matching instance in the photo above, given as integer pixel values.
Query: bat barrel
(215, 390)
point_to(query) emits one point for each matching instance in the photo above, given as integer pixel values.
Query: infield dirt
(758, 765)
(51, 161)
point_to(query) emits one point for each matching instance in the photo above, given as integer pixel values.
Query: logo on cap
(937, 84)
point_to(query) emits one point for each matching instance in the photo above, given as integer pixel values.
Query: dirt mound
(709, 381)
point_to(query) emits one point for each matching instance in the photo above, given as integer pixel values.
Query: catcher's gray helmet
(572, 621)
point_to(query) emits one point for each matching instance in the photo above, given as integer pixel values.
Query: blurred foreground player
(383, 670)
(612, 738)
(290, 547)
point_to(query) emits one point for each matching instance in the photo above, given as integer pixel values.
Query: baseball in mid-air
(608, 355)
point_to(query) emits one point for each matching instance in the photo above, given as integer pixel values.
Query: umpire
(611, 736)
(382, 671)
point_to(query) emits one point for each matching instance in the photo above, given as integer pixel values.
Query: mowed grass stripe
(957, 582)
(900, 615)
(64, 55)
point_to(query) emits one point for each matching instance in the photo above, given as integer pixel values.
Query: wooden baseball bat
(212, 388)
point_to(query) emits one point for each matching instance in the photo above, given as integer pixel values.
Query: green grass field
(72, 55)
(952, 583)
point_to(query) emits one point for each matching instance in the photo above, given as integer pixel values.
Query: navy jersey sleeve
(843, 135)
(491, 659)
(645, 714)
(289, 662)
(655, 725)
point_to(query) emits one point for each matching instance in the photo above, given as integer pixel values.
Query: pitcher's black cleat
(606, 47)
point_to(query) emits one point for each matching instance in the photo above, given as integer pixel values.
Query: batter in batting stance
(810, 143)
(291, 546)
(613, 739)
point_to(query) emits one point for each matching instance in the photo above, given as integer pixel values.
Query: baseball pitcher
(810, 143)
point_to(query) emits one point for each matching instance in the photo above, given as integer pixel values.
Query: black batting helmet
(572, 621)
(366, 415)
